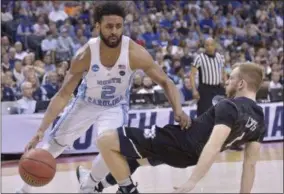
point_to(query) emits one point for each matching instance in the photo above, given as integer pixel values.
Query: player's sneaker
(82, 176)
(129, 189)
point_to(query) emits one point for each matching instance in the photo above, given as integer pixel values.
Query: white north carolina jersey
(107, 87)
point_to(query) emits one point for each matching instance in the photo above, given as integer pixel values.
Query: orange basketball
(37, 167)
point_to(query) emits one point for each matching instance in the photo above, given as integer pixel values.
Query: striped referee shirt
(209, 68)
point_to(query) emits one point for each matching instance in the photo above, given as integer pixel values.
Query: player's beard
(108, 42)
(231, 92)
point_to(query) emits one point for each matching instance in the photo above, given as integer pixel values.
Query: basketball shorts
(80, 115)
(169, 145)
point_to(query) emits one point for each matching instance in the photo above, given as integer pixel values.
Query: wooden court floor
(223, 177)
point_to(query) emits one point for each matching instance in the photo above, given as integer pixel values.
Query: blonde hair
(252, 73)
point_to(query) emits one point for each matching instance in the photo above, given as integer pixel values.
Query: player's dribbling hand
(185, 188)
(183, 119)
(35, 140)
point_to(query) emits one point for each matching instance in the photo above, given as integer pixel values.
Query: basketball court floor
(224, 176)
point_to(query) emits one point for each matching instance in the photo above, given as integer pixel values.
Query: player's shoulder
(92, 40)
(250, 107)
(136, 50)
(224, 102)
(138, 55)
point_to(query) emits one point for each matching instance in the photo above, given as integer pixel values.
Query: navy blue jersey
(180, 148)
(242, 115)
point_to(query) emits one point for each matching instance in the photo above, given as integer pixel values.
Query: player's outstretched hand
(183, 119)
(34, 141)
(185, 188)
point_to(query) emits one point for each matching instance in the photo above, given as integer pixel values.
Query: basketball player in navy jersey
(234, 121)
(107, 65)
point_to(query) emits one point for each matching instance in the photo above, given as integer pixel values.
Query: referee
(210, 67)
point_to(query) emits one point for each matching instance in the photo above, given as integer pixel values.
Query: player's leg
(75, 120)
(109, 119)
(133, 164)
(169, 144)
(109, 145)
(120, 145)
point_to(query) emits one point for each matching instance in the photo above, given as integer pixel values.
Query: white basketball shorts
(80, 115)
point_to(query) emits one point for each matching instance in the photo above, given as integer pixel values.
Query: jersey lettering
(150, 133)
(107, 103)
(110, 81)
(251, 124)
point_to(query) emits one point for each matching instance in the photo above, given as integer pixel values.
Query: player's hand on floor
(185, 188)
(34, 141)
(183, 119)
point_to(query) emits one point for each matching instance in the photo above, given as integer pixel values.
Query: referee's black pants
(207, 93)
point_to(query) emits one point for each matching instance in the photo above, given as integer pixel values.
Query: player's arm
(251, 155)
(224, 121)
(210, 151)
(80, 64)
(141, 59)
(194, 70)
(192, 77)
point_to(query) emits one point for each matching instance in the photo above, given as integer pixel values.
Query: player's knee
(107, 140)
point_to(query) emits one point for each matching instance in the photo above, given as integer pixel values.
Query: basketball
(37, 167)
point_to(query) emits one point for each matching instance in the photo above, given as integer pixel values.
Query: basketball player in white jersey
(106, 65)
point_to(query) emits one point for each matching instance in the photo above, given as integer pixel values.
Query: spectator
(61, 72)
(27, 61)
(49, 43)
(26, 105)
(65, 46)
(85, 27)
(6, 65)
(18, 72)
(57, 15)
(186, 92)
(20, 54)
(70, 28)
(6, 16)
(275, 81)
(39, 69)
(51, 87)
(40, 28)
(53, 29)
(24, 29)
(7, 91)
(187, 59)
(82, 41)
(12, 56)
(39, 93)
(10, 82)
(137, 83)
(79, 40)
(147, 86)
(173, 32)
(5, 43)
(48, 66)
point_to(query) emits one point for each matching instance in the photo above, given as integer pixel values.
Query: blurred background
(38, 39)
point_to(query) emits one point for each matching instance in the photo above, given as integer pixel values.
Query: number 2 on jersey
(107, 92)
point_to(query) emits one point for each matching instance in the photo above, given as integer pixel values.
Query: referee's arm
(193, 72)
(224, 74)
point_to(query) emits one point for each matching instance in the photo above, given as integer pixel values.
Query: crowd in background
(38, 39)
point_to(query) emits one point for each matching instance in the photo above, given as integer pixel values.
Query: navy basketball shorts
(168, 145)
